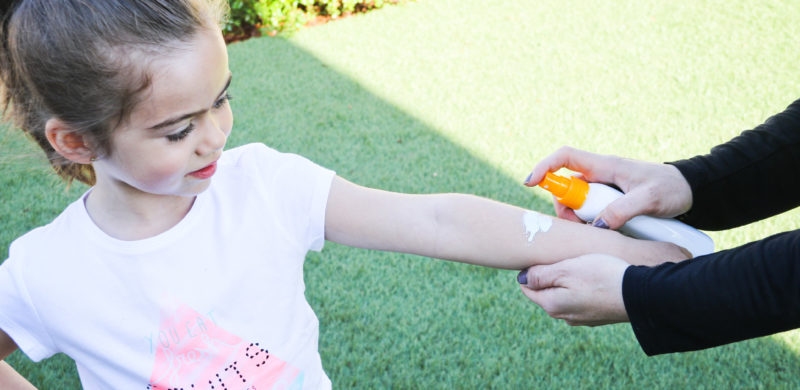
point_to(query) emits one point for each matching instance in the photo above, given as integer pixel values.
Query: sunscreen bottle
(589, 199)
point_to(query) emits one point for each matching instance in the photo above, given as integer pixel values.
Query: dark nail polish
(522, 277)
(600, 223)
(527, 179)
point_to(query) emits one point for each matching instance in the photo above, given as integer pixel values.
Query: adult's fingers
(545, 288)
(565, 212)
(547, 299)
(596, 167)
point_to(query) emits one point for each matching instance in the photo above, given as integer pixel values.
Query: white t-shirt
(218, 300)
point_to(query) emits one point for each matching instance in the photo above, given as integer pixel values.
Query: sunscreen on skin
(589, 199)
(535, 223)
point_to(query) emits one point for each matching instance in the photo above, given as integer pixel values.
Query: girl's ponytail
(20, 104)
(6, 10)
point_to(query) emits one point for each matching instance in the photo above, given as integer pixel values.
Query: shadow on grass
(409, 322)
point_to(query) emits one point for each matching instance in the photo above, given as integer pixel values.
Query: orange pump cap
(569, 191)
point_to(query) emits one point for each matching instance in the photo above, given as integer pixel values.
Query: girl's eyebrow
(175, 120)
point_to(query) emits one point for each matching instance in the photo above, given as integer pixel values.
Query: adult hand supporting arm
(728, 296)
(585, 290)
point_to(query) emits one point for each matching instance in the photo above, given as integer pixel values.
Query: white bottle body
(646, 227)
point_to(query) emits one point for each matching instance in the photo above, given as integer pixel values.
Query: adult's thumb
(539, 277)
(621, 210)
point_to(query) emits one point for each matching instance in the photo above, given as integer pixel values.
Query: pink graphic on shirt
(193, 353)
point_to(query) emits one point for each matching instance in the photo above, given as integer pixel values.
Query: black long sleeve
(746, 292)
(751, 177)
(732, 295)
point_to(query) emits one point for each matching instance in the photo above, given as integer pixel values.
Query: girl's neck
(135, 215)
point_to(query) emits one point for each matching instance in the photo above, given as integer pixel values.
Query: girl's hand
(652, 253)
(653, 189)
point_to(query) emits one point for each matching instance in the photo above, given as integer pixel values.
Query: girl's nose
(214, 136)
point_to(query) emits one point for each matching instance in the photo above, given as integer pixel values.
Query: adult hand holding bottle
(652, 189)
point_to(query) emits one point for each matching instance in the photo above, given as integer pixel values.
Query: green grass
(452, 95)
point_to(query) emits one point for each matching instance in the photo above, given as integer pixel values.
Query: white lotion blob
(535, 223)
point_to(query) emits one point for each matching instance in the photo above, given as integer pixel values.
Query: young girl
(182, 266)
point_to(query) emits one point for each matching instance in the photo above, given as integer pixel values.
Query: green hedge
(274, 16)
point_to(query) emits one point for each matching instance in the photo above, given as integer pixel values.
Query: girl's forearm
(471, 229)
(481, 231)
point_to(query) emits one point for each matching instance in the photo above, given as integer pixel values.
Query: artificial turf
(466, 96)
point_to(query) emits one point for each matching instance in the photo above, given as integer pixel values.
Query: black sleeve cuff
(634, 295)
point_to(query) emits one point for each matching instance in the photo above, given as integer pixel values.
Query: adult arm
(751, 177)
(9, 378)
(471, 229)
(742, 293)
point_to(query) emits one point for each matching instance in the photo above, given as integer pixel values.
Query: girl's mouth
(205, 172)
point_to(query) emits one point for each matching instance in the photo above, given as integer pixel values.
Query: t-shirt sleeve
(751, 177)
(18, 316)
(297, 188)
(728, 296)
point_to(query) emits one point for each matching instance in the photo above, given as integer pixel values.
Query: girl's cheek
(173, 169)
(161, 170)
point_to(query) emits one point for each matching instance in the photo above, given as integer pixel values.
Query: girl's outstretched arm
(10, 379)
(472, 229)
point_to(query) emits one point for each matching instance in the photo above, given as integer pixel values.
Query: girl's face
(175, 135)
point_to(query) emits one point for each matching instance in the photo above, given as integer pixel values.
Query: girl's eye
(175, 137)
(224, 98)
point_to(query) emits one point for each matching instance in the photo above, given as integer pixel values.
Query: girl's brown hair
(84, 62)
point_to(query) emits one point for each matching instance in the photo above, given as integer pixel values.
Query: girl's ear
(67, 142)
